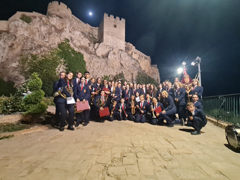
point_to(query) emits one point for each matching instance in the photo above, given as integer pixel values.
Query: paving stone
(117, 171)
(128, 161)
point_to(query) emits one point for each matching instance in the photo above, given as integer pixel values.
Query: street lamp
(197, 61)
(180, 70)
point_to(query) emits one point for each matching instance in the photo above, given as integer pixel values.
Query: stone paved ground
(119, 150)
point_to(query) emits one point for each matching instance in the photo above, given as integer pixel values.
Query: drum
(233, 135)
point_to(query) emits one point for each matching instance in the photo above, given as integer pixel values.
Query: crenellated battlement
(59, 9)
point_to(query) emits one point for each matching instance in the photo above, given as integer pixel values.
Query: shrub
(143, 78)
(119, 76)
(48, 101)
(26, 18)
(7, 88)
(46, 66)
(33, 102)
(74, 60)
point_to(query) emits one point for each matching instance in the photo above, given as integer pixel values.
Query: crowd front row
(138, 103)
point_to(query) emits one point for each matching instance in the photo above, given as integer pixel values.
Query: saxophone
(100, 103)
(153, 116)
(112, 110)
(133, 107)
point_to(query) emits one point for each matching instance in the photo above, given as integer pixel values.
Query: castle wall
(4, 25)
(18, 15)
(114, 31)
(59, 9)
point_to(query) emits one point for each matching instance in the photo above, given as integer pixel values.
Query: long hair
(164, 91)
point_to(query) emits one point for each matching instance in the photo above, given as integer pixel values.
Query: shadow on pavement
(186, 130)
(231, 148)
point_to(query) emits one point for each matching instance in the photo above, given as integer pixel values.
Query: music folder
(104, 112)
(158, 109)
(82, 106)
(105, 89)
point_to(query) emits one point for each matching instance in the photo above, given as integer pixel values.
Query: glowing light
(193, 63)
(90, 13)
(180, 70)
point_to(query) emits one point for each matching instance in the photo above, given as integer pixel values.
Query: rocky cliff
(45, 32)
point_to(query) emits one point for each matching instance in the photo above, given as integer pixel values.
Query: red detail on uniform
(78, 81)
(134, 91)
(68, 84)
(102, 99)
(81, 87)
(123, 107)
(193, 88)
(148, 102)
(127, 92)
(86, 82)
(141, 105)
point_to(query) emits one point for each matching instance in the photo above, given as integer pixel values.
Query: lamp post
(197, 61)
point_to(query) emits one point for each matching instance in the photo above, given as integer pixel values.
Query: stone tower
(58, 9)
(112, 31)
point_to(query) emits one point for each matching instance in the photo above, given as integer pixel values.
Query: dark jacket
(198, 105)
(200, 114)
(96, 100)
(82, 94)
(180, 94)
(198, 91)
(127, 95)
(144, 108)
(169, 105)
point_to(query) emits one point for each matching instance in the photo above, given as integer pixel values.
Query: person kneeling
(155, 116)
(196, 118)
(113, 111)
(122, 110)
(141, 110)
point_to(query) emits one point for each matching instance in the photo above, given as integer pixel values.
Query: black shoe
(170, 125)
(195, 133)
(85, 124)
(61, 129)
(71, 128)
(77, 125)
(182, 123)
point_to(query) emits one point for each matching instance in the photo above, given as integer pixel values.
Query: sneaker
(170, 125)
(195, 132)
(85, 124)
(71, 128)
(61, 129)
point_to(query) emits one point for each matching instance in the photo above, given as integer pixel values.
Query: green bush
(26, 18)
(33, 102)
(74, 60)
(143, 78)
(46, 66)
(49, 101)
(119, 76)
(7, 88)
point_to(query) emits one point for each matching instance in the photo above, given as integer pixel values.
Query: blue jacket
(180, 94)
(198, 91)
(198, 113)
(158, 104)
(144, 108)
(198, 105)
(148, 104)
(128, 94)
(158, 93)
(118, 92)
(74, 81)
(96, 100)
(62, 84)
(169, 105)
(82, 94)
(142, 91)
(170, 91)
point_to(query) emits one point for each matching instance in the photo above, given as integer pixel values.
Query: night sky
(170, 31)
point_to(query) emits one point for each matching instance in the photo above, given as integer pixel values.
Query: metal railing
(224, 107)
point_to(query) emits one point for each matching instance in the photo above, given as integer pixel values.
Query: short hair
(62, 72)
(142, 96)
(86, 72)
(190, 104)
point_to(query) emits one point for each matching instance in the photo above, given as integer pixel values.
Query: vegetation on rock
(26, 18)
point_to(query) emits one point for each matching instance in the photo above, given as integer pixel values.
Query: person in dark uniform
(82, 93)
(169, 89)
(114, 114)
(148, 107)
(67, 89)
(118, 92)
(196, 89)
(99, 103)
(122, 110)
(153, 91)
(155, 116)
(143, 90)
(77, 79)
(180, 101)
(196, 103)
(169, 110)
(57, 100)
(127, 93)
(140, 110)
(131, 108)
(87, 78)
(196, 118)
(164, 87)
(159, 91)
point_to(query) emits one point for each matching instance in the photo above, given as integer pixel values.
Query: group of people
(128, 101)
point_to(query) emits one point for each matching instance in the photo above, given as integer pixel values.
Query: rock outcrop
(45, 32)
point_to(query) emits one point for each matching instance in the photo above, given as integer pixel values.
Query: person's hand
(101, 108)
(137, 106)
(191, 118)
(83, 100)
(190, 95)
(163, 112)
(157, 114)
(176, 100)
(78, 100)
(152, 109)
(119, 110)
(126, 115)
(142, 112)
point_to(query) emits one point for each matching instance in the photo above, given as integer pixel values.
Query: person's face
(79, 75)
(113, 83)
(154, 100)
(132, 97)
(70, 76)
(195, 98)
(114, 103)
(99, 81)
(82, 80)
(131, 85)
(127, 86)
(102, 93)
(105, 82)
(164, 94)
(195, 83)
(137, 94)
(151, 86)
(147, 86)
(122, 100)
(143, 85)
(87, 75)
(62, 75)
(160, 86)
(93, 80)
(169, 84)
(176, 80)
(147, 96)
(141, 98)
(109, 83)
(119, 85)
(176, 85)
(125, 83)
(191, 108)
(164, 84)
(135, 86)
(123, 87)
(140, 86)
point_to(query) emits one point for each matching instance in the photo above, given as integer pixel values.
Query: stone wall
(4, 25)
(113, 31)
(59, 9)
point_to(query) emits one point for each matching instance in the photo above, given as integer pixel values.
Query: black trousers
(70, 109)
(168, 118)
(62, 114)
(181, 110)
(197, 123)
(57, 115)
(131, 117)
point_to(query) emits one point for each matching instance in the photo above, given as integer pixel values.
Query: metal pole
(199, 72)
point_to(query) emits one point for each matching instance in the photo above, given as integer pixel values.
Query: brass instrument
(93, 95)
(153, 116)
(59, 93)
(133, 108)
(100, 103)
(112, 111)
